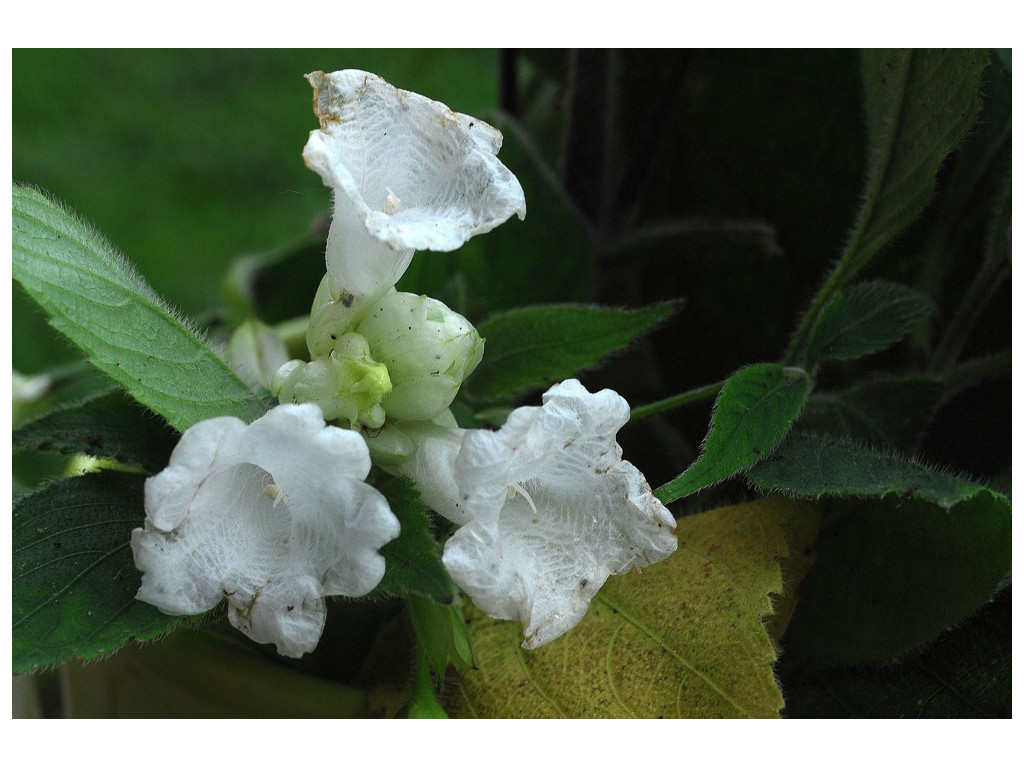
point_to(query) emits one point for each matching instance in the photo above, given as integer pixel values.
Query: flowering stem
(676, 401)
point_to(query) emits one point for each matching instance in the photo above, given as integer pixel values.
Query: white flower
(408, 174)
(548, 508)
(273, 516)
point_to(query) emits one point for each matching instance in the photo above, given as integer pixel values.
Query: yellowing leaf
(683, 639)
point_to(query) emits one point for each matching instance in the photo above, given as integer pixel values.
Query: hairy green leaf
(752, 415)
(920, 105)
(95, 298)
(893, 574)
(107, 425)
(536, 346)
(890, 410)
(867, 318)
(965, 673)
(74, 583)
(413, 562)
(683, 639)
(812, 466)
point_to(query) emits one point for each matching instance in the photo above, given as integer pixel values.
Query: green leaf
(966, 673)
(413, 560)
(891, 575)
(867, 318)
(752, 414)
(683, 639)
(920, 105)
(74, 577)
(107, 425)
(812, 466)
(536, 346)
(95, 298)
(890, 410)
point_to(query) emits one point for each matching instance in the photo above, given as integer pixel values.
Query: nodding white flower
(408, 174)
(547, 506)
(272, 516)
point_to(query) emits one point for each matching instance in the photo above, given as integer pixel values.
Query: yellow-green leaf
(684, 639)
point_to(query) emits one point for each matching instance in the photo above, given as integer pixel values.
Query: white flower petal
(415, 174)
(272, 516)
(548, 506)
(431, 464)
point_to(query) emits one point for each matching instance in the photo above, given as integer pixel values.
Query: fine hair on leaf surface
(95, 297)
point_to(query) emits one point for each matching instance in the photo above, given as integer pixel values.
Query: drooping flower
(547, 507)
(408, 173)
(273, 516)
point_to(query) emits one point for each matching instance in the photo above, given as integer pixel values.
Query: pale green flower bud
(330, 318)
(428, 349)
(347, 384)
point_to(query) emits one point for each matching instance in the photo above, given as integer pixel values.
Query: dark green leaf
(920, 105)
(95, 298)
(893, 411)
(536, 346)
(413, 559)
(812, 466)
(867, 318)
(549, 257)
(892, 574)
(752, 415)
(108, 425)
(74, 576)
(965, 673)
